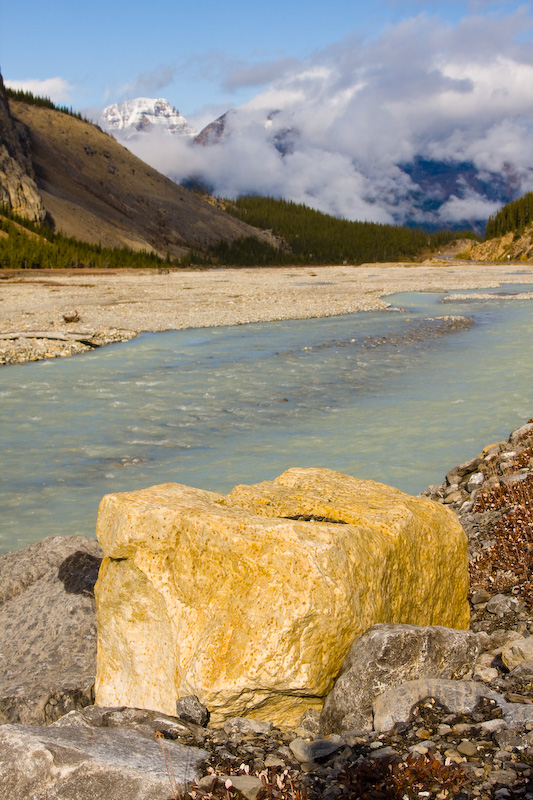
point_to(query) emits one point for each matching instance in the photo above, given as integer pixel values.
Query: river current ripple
(388, 396)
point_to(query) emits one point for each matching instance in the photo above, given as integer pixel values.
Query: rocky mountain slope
(18, 188)
(94, 189)
(513, 246)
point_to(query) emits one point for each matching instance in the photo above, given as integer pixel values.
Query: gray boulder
(386, 656)
(458, 697)
(83, 763)
(47, 629)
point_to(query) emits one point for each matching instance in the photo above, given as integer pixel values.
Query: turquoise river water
(377, 395)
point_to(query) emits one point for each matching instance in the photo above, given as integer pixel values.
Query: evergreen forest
(305, 236)
(313, 237)
(44, 102)
(29, 245)
(513, 216)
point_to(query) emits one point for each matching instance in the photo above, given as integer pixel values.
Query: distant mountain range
(432, 192)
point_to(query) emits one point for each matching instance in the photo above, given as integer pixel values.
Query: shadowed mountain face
(97, 191)
(18, 189)
(437, 181)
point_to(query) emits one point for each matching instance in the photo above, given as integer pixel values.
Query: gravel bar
(92, 308)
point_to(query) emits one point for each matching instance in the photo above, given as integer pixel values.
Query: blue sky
(361, 87)
(212, 53)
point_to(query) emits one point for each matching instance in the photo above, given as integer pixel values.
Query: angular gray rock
(309, 752)
(47, 629)
(81, 763)
(191, 710)
(139, 720)
(459, 697)
(518, 652)
(386, 656)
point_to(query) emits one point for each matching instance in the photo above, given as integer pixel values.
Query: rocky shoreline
(467, 733)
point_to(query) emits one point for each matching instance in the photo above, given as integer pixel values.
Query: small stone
(513, 697)
(485, 674)
(480, 596)
(273, 761)
(247, 785)
(492, 725)
(517, 652)
(524, 670)
(422, 733)
(475, 481)
(383, 752)
(461, 727)
(247, 725)
(467, 748)
(209, 782)
(513, 740)
(191, 710)
(310, 721)
(453, 497)
(429, 744)
(504, 776)
(321, 748)
(301, 750)
(500, 639)
(501, 605)
(454, 756)
(418, 748)
(443, 729)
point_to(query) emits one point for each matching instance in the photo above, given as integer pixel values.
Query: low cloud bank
(336, 131)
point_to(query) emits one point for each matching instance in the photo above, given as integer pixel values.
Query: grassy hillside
(312, 237)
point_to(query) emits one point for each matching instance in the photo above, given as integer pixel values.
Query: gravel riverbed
(45, 314)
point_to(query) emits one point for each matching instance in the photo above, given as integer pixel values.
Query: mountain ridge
(430, 191)
(143, 114)
(93, 189)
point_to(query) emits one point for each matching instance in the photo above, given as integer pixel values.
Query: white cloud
(147, 83)
(357, 110)
(471, 207)
(57, 89)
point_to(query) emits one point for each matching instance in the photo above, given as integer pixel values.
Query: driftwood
(83, 338)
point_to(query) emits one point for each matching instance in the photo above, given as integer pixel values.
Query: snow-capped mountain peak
(144, 115)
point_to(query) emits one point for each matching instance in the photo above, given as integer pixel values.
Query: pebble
(467, 748)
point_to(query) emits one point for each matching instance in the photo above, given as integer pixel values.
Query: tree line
(317, 238)
(29, 245)
(513, 216)
(44, 102)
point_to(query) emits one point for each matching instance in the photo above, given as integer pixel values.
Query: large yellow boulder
(251, 600)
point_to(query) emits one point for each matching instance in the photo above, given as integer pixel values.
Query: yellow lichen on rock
(251, 600)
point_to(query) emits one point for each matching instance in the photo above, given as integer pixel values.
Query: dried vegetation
(507, 565)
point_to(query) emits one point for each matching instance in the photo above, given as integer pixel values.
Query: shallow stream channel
(396, 396)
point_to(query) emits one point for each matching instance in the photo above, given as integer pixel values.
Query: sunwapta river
(398, 397)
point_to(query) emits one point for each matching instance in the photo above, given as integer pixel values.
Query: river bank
(47, 314)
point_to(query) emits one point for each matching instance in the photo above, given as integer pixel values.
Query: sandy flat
(119, 304)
